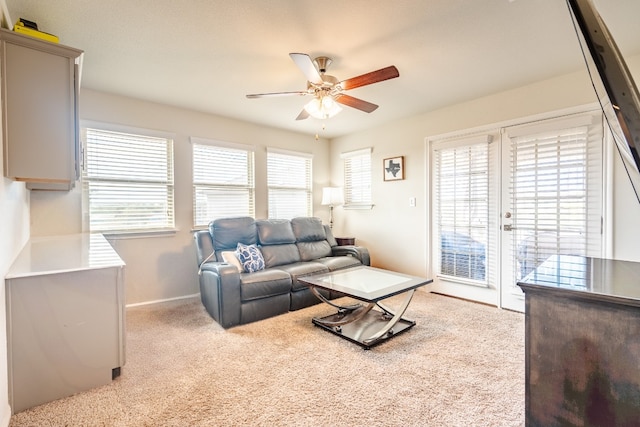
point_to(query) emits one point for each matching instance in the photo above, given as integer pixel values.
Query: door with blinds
(464, 174)
(551, 197)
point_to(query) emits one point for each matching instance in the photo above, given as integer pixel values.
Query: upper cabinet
(40, 130)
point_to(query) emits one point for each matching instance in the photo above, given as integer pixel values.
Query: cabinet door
(39, 115)
(65, 334)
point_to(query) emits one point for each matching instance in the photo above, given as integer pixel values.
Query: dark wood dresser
(582, 332)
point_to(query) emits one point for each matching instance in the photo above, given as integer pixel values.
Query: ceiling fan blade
(359, 104)
(303, 115)
(304, 62)
(264, 95)
(387, 73)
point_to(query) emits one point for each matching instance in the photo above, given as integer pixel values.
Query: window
(128, 181)
(461, 178)
(289, 182)
(223, 181)
(357, 179)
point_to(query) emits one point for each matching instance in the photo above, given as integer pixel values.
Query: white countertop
(62, 254)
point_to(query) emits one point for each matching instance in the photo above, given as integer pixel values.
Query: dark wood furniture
(345, 241)
(582, 342)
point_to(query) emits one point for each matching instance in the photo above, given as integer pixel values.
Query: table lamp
(332, 196)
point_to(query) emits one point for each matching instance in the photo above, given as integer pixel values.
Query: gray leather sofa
(290, 249)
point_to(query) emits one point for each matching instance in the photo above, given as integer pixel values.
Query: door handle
(508, 227)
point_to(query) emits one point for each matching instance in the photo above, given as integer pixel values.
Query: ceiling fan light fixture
(322, 107)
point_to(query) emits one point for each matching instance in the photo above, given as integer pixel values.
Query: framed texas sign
(393, 168)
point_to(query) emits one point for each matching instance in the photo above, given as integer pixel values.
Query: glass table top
(366, 283)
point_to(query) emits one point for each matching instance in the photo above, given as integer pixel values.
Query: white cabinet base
(65, 330)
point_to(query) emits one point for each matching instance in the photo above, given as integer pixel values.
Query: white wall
(164, 267)
(14, 233)
(394, 232)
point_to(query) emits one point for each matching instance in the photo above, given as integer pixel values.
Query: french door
(504, 200)
(551, 196)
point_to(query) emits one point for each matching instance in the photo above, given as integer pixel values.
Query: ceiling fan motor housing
(322, 63)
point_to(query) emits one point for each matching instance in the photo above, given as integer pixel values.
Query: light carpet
(461, 365)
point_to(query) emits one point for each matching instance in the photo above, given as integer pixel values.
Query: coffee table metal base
(359, 330)
(364, 324)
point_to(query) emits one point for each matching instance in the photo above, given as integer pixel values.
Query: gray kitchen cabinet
(40, 130)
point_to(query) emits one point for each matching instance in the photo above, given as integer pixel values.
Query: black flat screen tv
(615, 88)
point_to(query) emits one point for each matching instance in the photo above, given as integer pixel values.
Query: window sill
(358, 207)
(140, 234)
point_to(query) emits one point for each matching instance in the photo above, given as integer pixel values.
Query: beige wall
(164, 266)
(395, 233)
(14, 233)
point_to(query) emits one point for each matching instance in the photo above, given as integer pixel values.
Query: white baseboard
(6, 416)
(160, 301)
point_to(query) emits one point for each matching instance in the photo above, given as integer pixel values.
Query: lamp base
(331, 217)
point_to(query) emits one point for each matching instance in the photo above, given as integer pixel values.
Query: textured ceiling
(206, 55)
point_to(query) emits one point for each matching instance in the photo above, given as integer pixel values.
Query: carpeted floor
(461, 365)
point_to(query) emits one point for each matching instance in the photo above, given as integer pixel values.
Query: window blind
(289, 184)
(223, 182)
(357, 178)
(128, 181)
(556, 191)
(461, 183)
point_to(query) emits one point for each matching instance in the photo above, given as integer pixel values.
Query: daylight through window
(128, 182)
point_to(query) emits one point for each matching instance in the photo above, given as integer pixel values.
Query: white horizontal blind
(289, 184)
(128, 181)
(556, 190)
(357, 178)
(223, 183)
(461, 184)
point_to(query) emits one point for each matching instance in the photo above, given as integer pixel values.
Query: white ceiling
(206, 55)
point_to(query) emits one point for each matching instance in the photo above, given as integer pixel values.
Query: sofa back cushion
(308, 229)
(311, 238)
(277, 242)
(275, 232)
(226, 233)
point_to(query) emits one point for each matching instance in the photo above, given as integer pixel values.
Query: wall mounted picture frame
(393, 168)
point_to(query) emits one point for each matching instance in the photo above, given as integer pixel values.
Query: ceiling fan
(328, 91)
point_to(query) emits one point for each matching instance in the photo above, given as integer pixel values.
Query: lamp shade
(332, 196)
(322, 107)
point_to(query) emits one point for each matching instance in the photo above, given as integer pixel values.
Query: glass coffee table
(370, 323)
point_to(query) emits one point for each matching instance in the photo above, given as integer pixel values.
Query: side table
(344, 241)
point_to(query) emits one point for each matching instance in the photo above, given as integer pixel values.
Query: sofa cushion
(310, 251)
(302, 269)
(332, 240)
(263, 284)
(250, 257)
(334, 263)
(275, 232)
(308, 229)
(311, 238)
(227, 232)
(275, 255)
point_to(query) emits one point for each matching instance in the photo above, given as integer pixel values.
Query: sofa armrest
(359, 252)
(220, 292)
